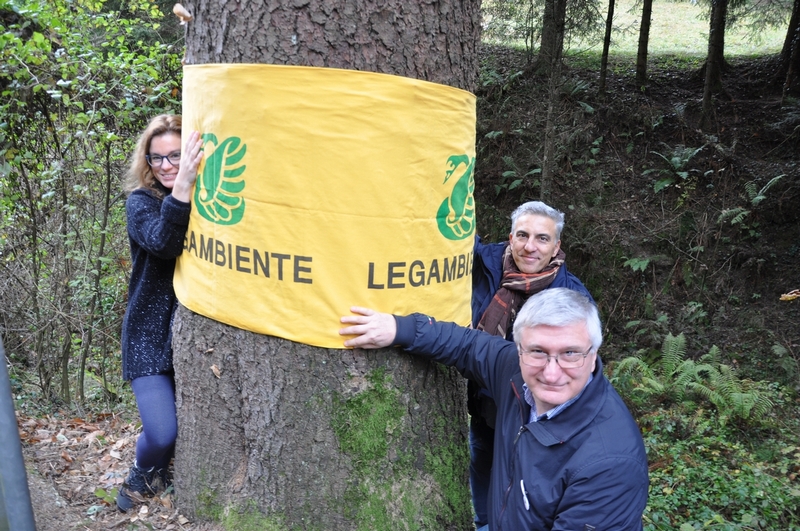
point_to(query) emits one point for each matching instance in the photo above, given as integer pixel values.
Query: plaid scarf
(515, 288)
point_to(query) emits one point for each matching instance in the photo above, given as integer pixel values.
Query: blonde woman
(159, 183)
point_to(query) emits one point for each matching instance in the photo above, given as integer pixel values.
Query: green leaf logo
(216, 196)
(456, 215)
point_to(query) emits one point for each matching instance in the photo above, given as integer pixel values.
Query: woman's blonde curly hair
(140, 174)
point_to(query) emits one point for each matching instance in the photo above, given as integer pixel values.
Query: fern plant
(664, 378)
(677, 166)
(733, 397)
(738, 215)
(670, 377)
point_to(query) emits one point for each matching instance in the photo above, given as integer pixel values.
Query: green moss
(447, 461)
(448, 465)
(372, 511)
(237, 518)
(364, 423)
(208, 506)
(249, 518)
(390, 488)
(414, 503)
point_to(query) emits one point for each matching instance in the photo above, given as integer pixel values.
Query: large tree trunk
(644, 40)
(300, 437)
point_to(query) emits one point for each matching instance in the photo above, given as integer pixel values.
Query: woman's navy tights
(155, 398)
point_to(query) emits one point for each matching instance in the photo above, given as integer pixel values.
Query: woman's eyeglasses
(155, 161)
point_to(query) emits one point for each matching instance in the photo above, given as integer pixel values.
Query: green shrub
(79, 80)
(722, 450)
(705, 475)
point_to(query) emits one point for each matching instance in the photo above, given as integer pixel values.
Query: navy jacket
(156, 229)
(584, 469)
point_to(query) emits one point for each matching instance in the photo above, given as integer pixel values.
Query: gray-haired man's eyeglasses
(566, 360)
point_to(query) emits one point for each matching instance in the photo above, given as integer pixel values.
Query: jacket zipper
(522, 428)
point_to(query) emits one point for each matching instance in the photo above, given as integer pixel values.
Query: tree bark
(644, 40)
(550, 132)
(791, 35)
(550, 56)
(790, 54)
(549, 64)
(552, 46)
(434, 41)
(713, 67)
(716, 49)
(299, 437)
(606, 46)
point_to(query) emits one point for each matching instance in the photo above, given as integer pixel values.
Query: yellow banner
(324, 188)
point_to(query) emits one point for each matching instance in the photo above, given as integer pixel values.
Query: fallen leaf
(215, 370)
(43, 434)
(792, 295)
(94, 435)
(166, 501)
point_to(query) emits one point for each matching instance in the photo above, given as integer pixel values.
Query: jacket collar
(563, 427)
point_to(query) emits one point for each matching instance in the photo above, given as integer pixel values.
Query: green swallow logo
(217, 193)
(456, 215)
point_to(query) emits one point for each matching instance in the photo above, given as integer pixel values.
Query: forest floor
(719, 283)
(73, 463)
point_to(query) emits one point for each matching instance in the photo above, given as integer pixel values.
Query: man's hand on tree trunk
(372, 329)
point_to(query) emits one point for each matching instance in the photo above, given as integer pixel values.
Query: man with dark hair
(568, 455)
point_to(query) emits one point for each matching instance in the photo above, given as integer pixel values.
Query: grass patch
(678, 29)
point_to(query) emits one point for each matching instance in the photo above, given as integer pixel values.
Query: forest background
(681, 192)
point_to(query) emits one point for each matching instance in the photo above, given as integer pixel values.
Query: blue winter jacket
(156, 229)
(584, 469)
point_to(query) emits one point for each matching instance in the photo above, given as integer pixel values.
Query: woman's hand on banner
(187, 173)
(372, 329)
